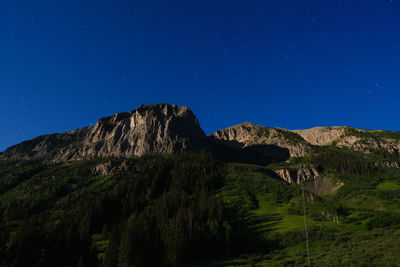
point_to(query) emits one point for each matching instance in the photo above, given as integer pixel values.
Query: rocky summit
(147, 129)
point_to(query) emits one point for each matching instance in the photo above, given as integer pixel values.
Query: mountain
(269, 142)
(147, 129)
(353, 138)
(172, 128)
(242, 196)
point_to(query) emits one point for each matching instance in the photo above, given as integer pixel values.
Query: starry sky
(278, 63)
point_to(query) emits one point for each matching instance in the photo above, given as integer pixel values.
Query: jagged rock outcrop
(149, 128)
(270, 142)
(112, 166)
(294, 175)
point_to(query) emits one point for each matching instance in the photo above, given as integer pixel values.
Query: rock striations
(291, 176)
(149, 128)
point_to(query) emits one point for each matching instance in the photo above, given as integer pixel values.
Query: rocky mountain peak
(147, 129)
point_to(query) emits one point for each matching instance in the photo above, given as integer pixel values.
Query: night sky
(290, 64)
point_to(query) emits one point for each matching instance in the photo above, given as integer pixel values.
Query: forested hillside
(189, 209)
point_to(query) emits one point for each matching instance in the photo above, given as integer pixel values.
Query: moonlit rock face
(321, 136)
(352, 138)
(266, 140)
(291, 176)
(148, 129)
(172, 128)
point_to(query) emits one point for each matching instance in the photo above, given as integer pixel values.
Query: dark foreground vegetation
(191, 210)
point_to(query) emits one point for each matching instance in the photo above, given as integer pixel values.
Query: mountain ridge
(173, 128)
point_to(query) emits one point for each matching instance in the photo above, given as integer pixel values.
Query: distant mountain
(172, 128)
(353, 138)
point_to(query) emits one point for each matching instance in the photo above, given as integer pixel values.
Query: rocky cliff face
(149, 128)
(282, 143)
(294, 175)
(272, 142)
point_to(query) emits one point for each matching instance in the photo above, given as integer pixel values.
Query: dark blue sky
(291, 64)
